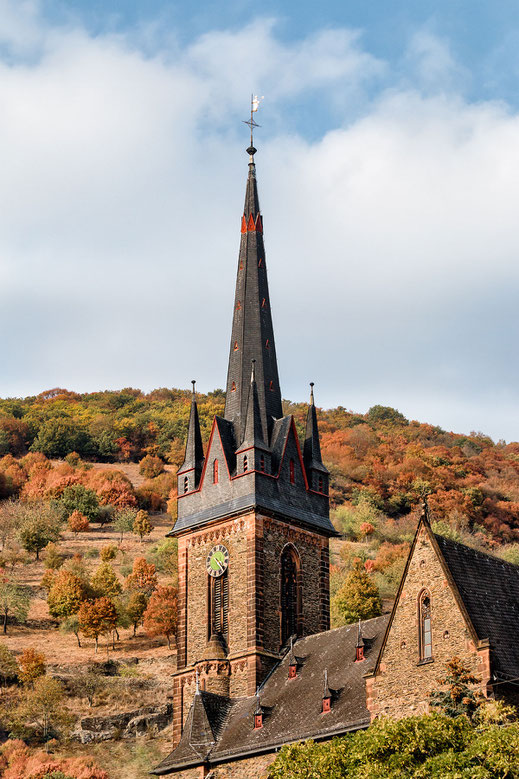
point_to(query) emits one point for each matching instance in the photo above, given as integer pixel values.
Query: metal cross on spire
(254, 105)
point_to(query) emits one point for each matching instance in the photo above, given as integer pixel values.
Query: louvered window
(219, 605)
(186, 484)
(292, 472)
(215, 472)
(290, 594)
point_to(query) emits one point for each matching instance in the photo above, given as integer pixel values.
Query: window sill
(426, 661)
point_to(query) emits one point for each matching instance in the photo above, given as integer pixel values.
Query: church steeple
(252, 336)
(191, 470)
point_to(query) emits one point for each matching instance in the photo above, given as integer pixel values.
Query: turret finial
(193, 382)
(312, 393)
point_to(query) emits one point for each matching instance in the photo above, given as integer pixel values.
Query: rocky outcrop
(126, 725)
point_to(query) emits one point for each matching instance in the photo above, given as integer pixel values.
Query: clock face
(217, 560)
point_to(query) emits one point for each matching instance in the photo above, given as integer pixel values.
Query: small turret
(191, 469)
(317, 474)
(253, 445)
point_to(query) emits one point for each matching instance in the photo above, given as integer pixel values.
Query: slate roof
(489, 588)
(292, 707)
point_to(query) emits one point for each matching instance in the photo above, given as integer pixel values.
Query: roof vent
(327, 695)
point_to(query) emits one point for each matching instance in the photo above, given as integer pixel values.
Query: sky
(388, 170)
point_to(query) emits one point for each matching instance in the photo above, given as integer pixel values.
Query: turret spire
(252, 335)
(312, 447)
(253, 434)
(194, 458)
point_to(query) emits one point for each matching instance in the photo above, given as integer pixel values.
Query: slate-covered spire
(194, 457)
(312, 447)
(252, 336)
(253, 434)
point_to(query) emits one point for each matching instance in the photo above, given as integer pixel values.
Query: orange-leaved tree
(97, 618)
(32, 665)
(78, 523)
(66, 594)
(143, 577)
(160, 617)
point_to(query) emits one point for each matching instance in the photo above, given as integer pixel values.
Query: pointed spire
(425, 510)
(252, 336)
(194, 457)
(312, 447)
(253, 433)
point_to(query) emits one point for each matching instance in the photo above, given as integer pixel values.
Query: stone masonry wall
(401, 687)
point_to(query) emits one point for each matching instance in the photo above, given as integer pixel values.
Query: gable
(403, 677)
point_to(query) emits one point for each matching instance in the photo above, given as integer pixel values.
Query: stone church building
(258, 665)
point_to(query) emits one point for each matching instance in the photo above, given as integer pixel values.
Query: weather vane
(254, 105)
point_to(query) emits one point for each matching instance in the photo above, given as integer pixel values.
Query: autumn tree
(160, 617)
(143, 577)
(53, 557)
(108, 552)
(14, 600)
(8, 665)
(359, 597)
(97, 618)
(458, 696)
(78, 523)
(105, 581)
(66, 594)
(135, 608)
(32, 666)
(142, 525)
(42, 712)
(71, 625)
(151, 466)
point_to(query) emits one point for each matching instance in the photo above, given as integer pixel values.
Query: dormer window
(258, 720)
(236, 346)
(186, 484)
(292, 472)
(215, 472)
(233, 387)
(267, 344)
(359, 654)
(271, 386)
(260, 262)
(263, 302)
(238, 306)
(245, 464)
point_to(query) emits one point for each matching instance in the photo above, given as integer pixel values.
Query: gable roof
(292, 707)
(486, 589)
(489, 589)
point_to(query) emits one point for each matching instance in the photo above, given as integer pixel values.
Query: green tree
(142, 525)
(105, 581)
(82, 499)
(124, 519)
(41, 526)
(14, 600)
(135, 608)
(53, 557)
(71, 625)
(359, 597)
(458, 698)
(59, 436)
(8, 665)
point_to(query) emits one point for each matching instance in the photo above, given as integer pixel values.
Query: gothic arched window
(290, 594)
(215, 472)
(424, 615)
(219, 606)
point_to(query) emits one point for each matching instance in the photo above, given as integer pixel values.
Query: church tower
(253, 523)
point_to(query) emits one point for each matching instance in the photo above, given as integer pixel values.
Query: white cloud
(392, 240)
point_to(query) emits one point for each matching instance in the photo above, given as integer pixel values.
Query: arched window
(292, 472)
(215, 472)
(425, 637)
(290, 594)
(186, 484)
(245, 463)
(262, 463)
(219, 606)
(320, 483)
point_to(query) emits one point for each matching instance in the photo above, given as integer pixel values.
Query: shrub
(108, 553)
(78, 523)
(151, 466)
(32, 666)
